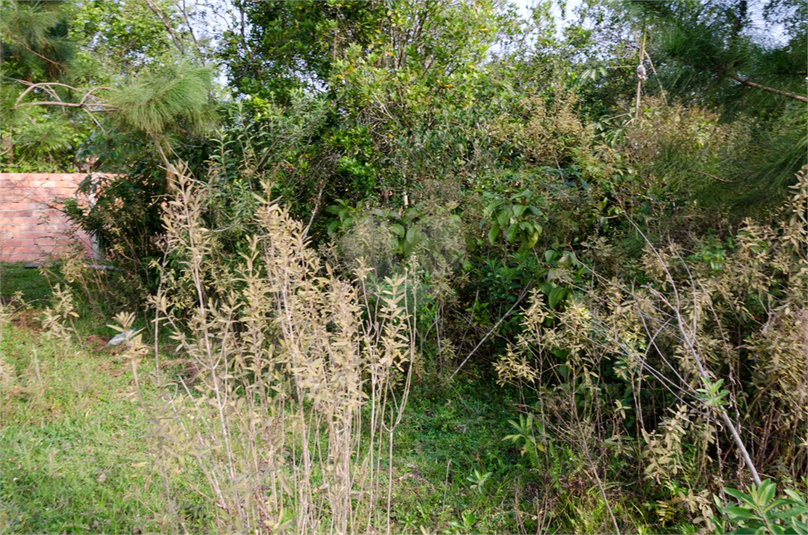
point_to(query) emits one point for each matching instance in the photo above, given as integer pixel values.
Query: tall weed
(292, 417)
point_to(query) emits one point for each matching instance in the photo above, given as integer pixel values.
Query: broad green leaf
(397, 229)
(493, 233)
(511, 233)
(741, 496)
(739, 513)
(766, 492)
(796, 497)
(555, 296)
(411, 235)
(534, 238)
(779, 502)
(785, 513)
(799, 527)
(746, 531)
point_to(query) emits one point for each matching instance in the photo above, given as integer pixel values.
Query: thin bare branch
(493, 329)
(159, 12)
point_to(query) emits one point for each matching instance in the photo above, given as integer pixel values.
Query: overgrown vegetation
(419, 267)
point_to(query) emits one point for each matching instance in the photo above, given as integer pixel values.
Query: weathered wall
(31, 226)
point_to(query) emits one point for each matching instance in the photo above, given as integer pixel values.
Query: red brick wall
(31, 226)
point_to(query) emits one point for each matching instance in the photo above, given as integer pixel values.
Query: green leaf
(800, 527)
(741, 496)
(534, 238)
(511, 234)
(493, 233)
(746, 531)
(411, 234)
(556, 296)
(519, 209)
(785, 513)
(397, 229)
(796, 497)
(739, 513)
(766, 492)
(502, 218)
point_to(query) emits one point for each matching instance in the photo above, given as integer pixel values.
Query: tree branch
(746, 81)
(47, 86)
(157, 11)
(29, 49)
(493, 329)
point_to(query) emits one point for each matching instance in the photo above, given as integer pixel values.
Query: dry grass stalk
(293, 416)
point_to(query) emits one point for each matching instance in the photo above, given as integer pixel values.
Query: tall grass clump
(301, 384)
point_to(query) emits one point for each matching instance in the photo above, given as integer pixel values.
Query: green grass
(16, 278)
(78, 458)
(442, 442)
(75, 457)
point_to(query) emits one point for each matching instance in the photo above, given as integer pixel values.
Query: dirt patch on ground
(96, 343)
(26, 319)
(113, 368)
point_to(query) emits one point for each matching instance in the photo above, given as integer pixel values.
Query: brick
(31, 223)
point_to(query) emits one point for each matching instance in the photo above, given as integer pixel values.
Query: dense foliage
(604, 221)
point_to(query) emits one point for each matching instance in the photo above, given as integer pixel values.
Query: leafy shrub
(759, 511)
(709, 336)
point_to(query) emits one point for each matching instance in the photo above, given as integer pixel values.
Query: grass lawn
(74, 439)
(75, 454)
(16, 278)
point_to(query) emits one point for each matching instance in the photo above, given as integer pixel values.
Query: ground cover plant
(74, 440)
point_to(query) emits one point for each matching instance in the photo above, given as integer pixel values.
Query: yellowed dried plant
(293, 416)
